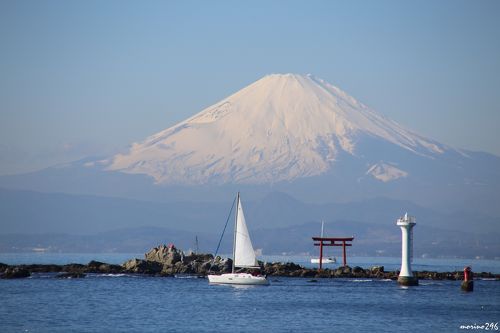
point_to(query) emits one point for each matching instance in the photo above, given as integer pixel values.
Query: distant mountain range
(299, 149)
(370, 240)
(278, 223)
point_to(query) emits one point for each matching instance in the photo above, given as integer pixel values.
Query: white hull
(238, 278)
(325, 261)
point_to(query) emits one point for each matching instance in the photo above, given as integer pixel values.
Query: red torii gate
(332, 241)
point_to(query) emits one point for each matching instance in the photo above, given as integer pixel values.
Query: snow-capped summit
(279, 128)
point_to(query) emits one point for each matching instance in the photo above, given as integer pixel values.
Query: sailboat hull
(238, 278)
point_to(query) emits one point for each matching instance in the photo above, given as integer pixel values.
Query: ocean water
(128, 303)
(132, 303)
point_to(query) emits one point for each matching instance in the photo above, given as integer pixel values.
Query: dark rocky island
(169, 261)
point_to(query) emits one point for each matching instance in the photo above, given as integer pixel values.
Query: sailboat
(329, 260)
(243, 255)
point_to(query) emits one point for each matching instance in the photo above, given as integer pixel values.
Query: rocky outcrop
(142, 266)
(167, 260)
(35, 268)
(286, 269)
(165, 254)
(74, 268)
(377, 271)
(3, 267)
(220, 265)
(104, 268)
(15, 273)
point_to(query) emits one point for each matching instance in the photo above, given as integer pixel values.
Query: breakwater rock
(167, 260)
(15, 273)
(375, 272)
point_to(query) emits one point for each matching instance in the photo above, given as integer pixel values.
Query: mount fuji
(289, 133)
(280, 128)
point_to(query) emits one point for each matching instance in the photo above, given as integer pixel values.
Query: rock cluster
(287, 269)
(167, 260)
(64, 271)
(15, 273)
(165, 254)
(294, 270)
(142, 266)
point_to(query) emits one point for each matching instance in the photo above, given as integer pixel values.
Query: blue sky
(90, 77)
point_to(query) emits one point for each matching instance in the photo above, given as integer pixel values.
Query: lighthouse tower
(406, 223)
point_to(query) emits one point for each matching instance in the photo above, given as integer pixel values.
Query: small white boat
(243, 255)
(325, 260)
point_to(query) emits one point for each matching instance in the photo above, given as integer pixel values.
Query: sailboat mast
(235, 229)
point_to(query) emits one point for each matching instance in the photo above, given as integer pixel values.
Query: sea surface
(132, 303)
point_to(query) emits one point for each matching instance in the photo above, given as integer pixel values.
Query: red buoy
(468, 283)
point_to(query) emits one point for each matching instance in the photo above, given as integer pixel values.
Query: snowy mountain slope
(386, 172)
(280, 128)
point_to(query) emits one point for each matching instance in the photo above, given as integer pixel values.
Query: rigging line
(223, 231)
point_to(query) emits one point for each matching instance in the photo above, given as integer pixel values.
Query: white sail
(244, 255)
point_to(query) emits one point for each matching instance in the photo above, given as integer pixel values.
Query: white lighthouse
(406, 223)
